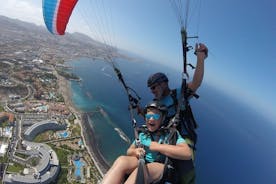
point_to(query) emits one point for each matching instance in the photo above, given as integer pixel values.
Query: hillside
(32, 41)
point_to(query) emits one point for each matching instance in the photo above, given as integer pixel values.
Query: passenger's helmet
(157, 78)
(156, 105)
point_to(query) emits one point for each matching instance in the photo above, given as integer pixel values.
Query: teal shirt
(152, 156)
(169, 102)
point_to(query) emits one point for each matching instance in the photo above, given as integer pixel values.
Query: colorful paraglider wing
(56, 14)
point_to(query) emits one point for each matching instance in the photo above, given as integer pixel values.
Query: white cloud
(25, 10)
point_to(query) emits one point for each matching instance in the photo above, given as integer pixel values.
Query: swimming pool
(78, 165)
(80, 143)
(64, 134)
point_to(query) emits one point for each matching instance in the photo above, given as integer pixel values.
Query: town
(41, 137)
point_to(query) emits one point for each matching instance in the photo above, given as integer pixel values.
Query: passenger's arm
(136, 152)
(180, 151)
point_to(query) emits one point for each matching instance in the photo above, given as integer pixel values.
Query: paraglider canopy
(56, 14)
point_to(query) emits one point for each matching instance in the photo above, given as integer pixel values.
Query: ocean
(235, 143)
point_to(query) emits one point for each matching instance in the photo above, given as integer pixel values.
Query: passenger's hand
(145, 140)
(140, 152)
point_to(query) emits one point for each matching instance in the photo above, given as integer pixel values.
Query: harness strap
(187, 120)
(143, 129)
(174, 97)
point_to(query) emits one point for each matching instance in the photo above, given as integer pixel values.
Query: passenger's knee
(126, 163)
(121, 160)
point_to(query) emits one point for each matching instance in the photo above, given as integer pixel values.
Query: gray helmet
(156, 105)
(157, 78)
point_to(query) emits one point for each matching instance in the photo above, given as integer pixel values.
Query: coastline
(87, 132)
(92, 146)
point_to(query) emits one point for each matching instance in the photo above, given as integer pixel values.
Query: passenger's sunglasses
(154, 116)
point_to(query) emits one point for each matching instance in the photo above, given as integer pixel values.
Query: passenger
(154, 148)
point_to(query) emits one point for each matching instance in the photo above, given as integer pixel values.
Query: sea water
(102, 95)
(235, 143)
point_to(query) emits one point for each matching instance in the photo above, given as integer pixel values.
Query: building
(5, 116)
(46, 171)
(42, 126)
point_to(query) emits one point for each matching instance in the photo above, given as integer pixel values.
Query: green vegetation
(62, 155)
(60, 61)
(44, 136)
(4, 159)
(17, 68)
(3, 139)
(4, 124)
(71, 118)
(4, 67)
(62, 178)
(76, 131)
(67, 75)
(29, 80)
(34, 161)
(49, 76)
(15, 168)
(59, 98)
(64, 146)
(21, 155)
(1, 108)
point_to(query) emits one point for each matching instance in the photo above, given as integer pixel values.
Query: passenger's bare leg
(153, 173)
(123, 165)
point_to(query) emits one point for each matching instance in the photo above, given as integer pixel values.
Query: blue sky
(241, 37)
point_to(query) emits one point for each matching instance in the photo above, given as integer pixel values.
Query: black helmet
(156, 105)
(157, 78)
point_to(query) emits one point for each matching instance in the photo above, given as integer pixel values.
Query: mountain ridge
(17, 35)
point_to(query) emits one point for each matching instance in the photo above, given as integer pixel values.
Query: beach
(87, 131)
(91, 143)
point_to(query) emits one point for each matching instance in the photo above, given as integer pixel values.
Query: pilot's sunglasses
(153, 87)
